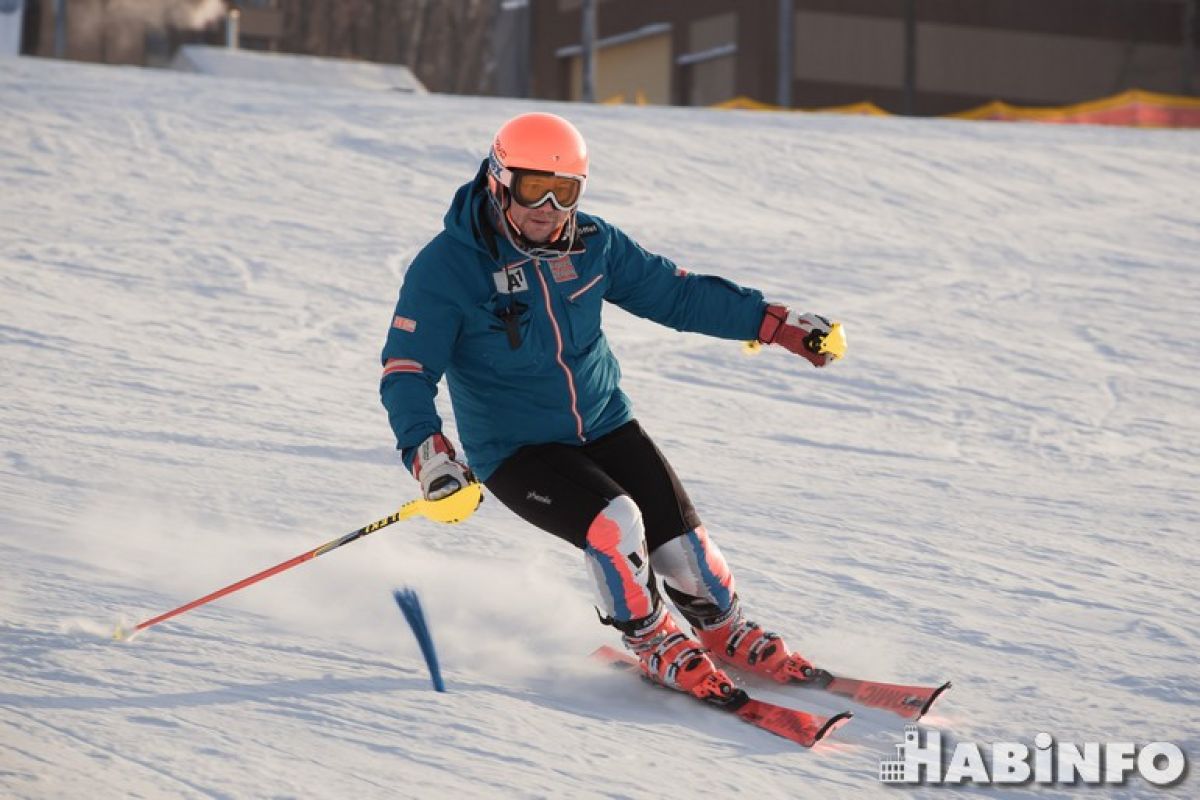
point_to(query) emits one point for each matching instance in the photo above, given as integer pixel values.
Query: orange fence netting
(1134, 108)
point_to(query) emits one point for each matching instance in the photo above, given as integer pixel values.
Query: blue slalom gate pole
(411, 606)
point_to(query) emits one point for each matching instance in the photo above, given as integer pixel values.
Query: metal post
(910, 56)
(589, 51)
(104, 31)
(1189, 46)
(510, 74)
(60, 28)
(525, 51)
(233, 24)
(787, 46)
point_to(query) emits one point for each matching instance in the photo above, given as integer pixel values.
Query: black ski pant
(619, 501)
(561, 488)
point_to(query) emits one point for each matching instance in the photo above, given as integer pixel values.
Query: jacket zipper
(537, 267)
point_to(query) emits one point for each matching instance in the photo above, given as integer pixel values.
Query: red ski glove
(800, 333)
(437, 468)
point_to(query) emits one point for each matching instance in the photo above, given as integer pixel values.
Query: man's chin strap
(559, 244)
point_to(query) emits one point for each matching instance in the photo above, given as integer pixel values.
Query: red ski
(910, 702)
(798, 726)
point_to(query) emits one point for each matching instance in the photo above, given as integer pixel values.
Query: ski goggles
(531, 188)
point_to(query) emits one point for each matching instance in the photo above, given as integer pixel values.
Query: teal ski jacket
(519, 339)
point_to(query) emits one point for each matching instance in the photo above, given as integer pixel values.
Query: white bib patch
(511, 280)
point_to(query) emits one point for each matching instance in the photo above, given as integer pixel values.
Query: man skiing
(505, 302)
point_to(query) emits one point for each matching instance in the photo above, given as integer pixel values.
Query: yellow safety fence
(1134, 108)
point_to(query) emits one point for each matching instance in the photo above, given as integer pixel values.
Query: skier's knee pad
(615, 549)
(693, 568)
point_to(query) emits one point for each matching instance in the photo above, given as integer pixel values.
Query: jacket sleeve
(419, 344)
(651, 286)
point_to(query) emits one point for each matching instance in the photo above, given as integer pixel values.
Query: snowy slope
(311, 71)
(998, 486)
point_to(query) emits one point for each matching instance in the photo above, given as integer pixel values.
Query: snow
(310, 71)
(997, 486)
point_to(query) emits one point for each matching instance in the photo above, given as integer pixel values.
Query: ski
(798, 726)
(910, 702)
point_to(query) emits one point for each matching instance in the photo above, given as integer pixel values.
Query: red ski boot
(669, 656)
(745, 645)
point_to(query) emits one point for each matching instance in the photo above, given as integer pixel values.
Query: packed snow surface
(312, 71)
(997, 486)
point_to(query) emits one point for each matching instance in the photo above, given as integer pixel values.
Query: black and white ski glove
(802, 334)
(437, 468)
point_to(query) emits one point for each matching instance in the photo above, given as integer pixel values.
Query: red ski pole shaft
(458, 507)
(266, 573)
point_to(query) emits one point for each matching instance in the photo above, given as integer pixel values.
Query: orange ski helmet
(537, 158)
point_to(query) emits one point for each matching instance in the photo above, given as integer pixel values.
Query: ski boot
(736, 640)
(669, 656)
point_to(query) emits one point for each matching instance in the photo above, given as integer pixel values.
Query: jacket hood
(466, 219)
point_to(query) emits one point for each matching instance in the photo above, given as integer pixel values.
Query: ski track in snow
(997, 487)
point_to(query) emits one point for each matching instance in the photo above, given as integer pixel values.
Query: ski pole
(455, 508)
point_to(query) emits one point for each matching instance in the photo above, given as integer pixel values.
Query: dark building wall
(968, 52)
(31, 27)
(1047, 52)
(758, 49)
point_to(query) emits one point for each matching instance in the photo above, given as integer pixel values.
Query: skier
(505, 302)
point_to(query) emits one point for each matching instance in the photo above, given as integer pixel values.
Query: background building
(919, 56)
(906, 56)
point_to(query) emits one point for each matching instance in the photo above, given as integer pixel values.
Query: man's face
(537, 224)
